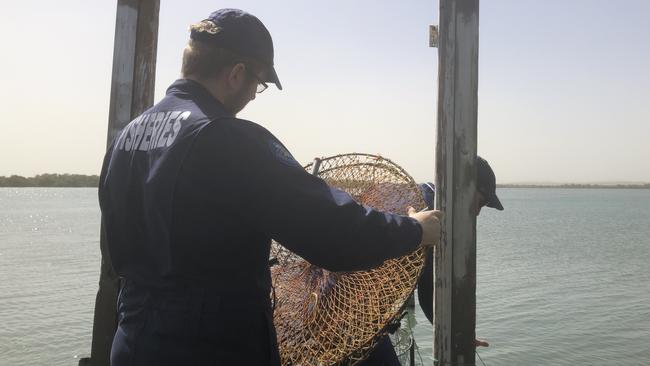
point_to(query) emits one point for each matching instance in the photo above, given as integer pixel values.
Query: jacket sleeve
(321, 224)
(425, 282)
(425, 286)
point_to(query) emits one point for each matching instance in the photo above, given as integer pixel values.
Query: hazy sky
(564, 86)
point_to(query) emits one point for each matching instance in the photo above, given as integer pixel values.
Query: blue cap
(242, 33)
(487, 183)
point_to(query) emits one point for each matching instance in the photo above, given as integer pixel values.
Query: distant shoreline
(578, 186)
(51, 180)
(92, 181)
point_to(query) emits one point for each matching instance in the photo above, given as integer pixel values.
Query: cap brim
(273, 77)
(494, 202)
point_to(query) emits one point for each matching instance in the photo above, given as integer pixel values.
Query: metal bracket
(433, 36)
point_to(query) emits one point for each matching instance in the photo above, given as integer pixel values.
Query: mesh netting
(329, 318)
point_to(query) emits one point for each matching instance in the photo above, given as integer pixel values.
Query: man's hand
(430, 222)
(481, 343)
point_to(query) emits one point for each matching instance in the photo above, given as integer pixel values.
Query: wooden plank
(145, 58)
(455, 269)
(132, 91)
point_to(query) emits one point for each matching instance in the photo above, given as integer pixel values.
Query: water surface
(562, 277)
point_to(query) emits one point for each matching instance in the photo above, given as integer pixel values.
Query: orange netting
(329, 318)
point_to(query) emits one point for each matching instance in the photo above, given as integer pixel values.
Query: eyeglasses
(261, 85)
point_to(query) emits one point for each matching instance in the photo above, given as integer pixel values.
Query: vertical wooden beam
(132, 91)
(134, 62)
(455, 269)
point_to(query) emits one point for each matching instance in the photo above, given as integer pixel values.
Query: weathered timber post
(455, 262)
(132, 91)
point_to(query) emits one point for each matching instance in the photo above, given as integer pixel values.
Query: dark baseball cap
(487, 183)
(242, 33)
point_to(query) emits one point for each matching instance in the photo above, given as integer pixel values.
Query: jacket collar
(190, 89)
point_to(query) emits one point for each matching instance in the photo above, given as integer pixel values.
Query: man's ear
(237, 75)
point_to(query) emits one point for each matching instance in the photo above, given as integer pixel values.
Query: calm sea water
(563, 277)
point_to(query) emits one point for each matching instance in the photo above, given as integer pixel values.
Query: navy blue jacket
(192, 195)
(425, 282)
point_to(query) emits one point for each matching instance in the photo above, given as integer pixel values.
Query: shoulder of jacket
(238, 126)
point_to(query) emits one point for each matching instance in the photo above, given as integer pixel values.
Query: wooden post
(455, 262)
(132, 91)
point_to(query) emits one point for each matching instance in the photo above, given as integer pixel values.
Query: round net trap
(335, 318)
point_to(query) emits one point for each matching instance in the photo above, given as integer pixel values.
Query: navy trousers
(192, 326)
(383, 354)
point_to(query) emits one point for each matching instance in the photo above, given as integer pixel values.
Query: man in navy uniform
(384, 353)
(486, 196)
(191, 197)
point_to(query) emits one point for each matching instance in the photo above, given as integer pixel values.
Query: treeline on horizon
(575, 185)
(81, 180)
(51, 180)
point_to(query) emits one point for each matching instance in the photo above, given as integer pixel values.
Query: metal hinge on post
(433, 36)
